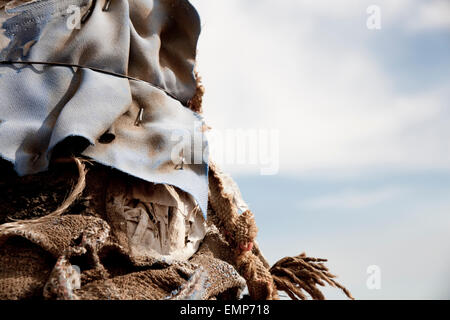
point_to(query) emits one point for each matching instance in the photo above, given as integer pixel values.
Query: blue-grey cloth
(41, 104)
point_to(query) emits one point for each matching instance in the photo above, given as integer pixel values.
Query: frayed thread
(73, 196)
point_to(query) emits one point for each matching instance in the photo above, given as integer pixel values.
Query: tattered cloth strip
(127, 100)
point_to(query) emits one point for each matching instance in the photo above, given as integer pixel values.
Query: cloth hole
(106, 138)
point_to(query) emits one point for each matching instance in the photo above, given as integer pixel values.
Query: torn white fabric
(163, 223)
(153, 41)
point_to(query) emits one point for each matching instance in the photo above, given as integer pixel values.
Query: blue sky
(363, 120)
(399, 222)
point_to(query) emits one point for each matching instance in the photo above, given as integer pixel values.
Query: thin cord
(69, 65)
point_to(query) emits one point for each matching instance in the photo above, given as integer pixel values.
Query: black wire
(111, 73)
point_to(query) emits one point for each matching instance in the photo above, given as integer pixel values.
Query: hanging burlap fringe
(301, 273)
(291, 274)
(73, 196)
(240, 232)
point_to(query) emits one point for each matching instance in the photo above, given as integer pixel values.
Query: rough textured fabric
(240, 231)
(24, 269)
(86, 235)
(40, 259)
(131, 125)
(98, 281)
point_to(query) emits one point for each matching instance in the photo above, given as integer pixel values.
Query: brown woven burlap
(78, 249)
(39, 259)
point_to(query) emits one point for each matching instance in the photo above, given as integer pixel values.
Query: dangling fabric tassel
(296, 275)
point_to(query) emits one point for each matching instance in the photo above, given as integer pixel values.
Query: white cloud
(431, 15)
(355, 199)
(308, 68)
(303, 67)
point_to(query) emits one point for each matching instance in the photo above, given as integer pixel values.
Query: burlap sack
(37, 259)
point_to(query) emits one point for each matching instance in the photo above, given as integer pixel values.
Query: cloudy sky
(362, 117)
